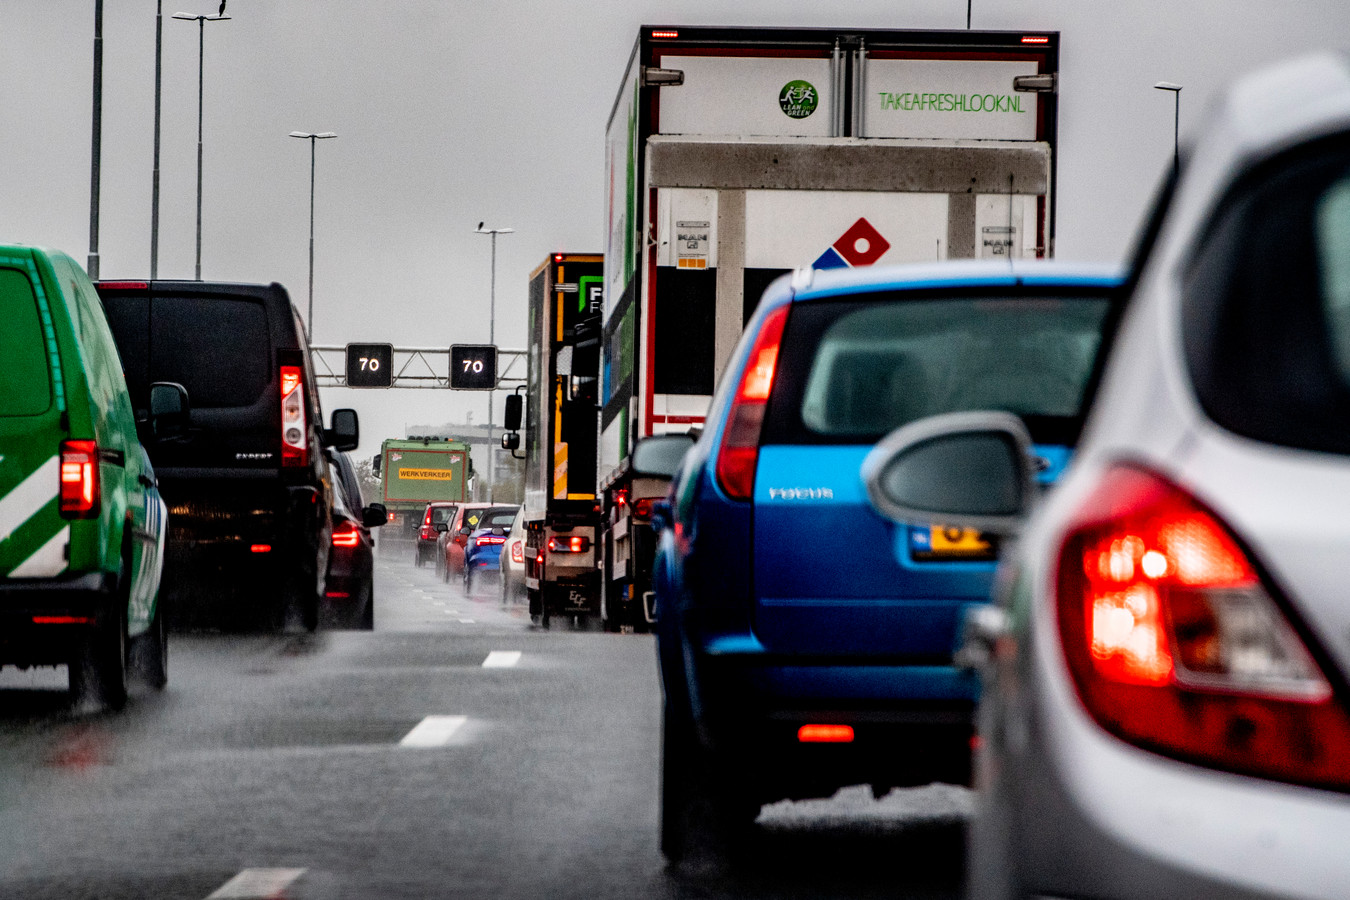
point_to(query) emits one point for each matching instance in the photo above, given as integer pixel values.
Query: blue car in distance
(483, 551)
(806, 642)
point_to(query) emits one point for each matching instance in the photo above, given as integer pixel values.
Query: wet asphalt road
(289, 755)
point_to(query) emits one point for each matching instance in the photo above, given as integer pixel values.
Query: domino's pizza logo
(861, 245)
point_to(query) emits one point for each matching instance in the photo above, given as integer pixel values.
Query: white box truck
(734, 155)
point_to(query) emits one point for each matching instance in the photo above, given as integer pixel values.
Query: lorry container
(735, 155)
(417, 471)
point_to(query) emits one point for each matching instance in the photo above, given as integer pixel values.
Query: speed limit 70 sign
(473, 367)
(370, 365)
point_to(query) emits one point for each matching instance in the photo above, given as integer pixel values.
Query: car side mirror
(440, 527)
(511, 441)
(346, 431)
(170, 411)
(660, 455)
(374, 515)
(967, 469)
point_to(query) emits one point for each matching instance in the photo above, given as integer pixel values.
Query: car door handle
(983, 626)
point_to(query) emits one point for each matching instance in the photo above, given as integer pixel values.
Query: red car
(435, 514)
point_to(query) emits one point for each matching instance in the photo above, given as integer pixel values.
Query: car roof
(810, 284)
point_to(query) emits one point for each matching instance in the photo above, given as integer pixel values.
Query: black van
(241, 466)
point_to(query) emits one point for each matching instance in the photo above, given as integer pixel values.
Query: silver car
(1165, 706)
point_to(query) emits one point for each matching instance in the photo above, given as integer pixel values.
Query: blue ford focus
(805, 642)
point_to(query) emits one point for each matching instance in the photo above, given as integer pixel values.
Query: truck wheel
(98, 667)
(149, 652)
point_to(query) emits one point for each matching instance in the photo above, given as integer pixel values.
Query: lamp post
(1176, 122)
(313, 138)
(201, 51)
(154, 177)
(492, 339)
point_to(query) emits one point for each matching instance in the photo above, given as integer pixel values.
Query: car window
(1267, 303)
(216, 347)
(852, 371)
(442, 514)
(25, 381)
(498, 518)
(472, 517)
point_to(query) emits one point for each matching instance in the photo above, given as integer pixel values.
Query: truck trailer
(561, 415)
(418, 471)
(736, 155)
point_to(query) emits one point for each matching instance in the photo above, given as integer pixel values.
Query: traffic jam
(828, 535)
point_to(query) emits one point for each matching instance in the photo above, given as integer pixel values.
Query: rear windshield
(441, 515)
(25, 383)
(849, 371)
(498, 518)
(217, 347)
(1267, 304)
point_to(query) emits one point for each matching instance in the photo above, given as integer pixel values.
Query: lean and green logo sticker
(798, 99)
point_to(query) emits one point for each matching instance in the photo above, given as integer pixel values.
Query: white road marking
(466, 621)
(433, 731)
(257, 884)
(501, 659)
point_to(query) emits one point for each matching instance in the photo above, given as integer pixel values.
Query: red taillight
(739, 453)
(260, 548)
(665, 34)
(63, 620)
(489, 539)
(294, 429)
(517, 551)
(79, 479)
(346, 534)
(825, 734)
(561, 544)
(642, 509)
(1035, 39)
(122, 285)
(1176, 645)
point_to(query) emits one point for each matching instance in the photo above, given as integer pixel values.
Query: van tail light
(294, 429)
(79, 480)
(518, 551)
(1176, 644)
(346, 534)
(739, 453)
(561, 544)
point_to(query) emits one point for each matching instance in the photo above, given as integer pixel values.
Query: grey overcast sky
(452, 112)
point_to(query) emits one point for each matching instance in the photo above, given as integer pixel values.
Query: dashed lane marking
(257, 884)
(501, 659)
(466, 621)
(433, 731)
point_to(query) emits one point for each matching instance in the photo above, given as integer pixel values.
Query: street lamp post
(492, 339)
(1176, 122)
(201, 52)
(312, 137)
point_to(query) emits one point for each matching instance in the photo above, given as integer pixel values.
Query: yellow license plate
(946, 542)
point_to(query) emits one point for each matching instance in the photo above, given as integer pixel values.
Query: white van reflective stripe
(32, 494)
(50, 559)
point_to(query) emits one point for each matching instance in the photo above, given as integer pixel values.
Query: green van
(82, 523)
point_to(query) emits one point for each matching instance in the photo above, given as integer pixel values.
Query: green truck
(418, 471)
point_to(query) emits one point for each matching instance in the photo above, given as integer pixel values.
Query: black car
(240, 456)
(349, 597)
